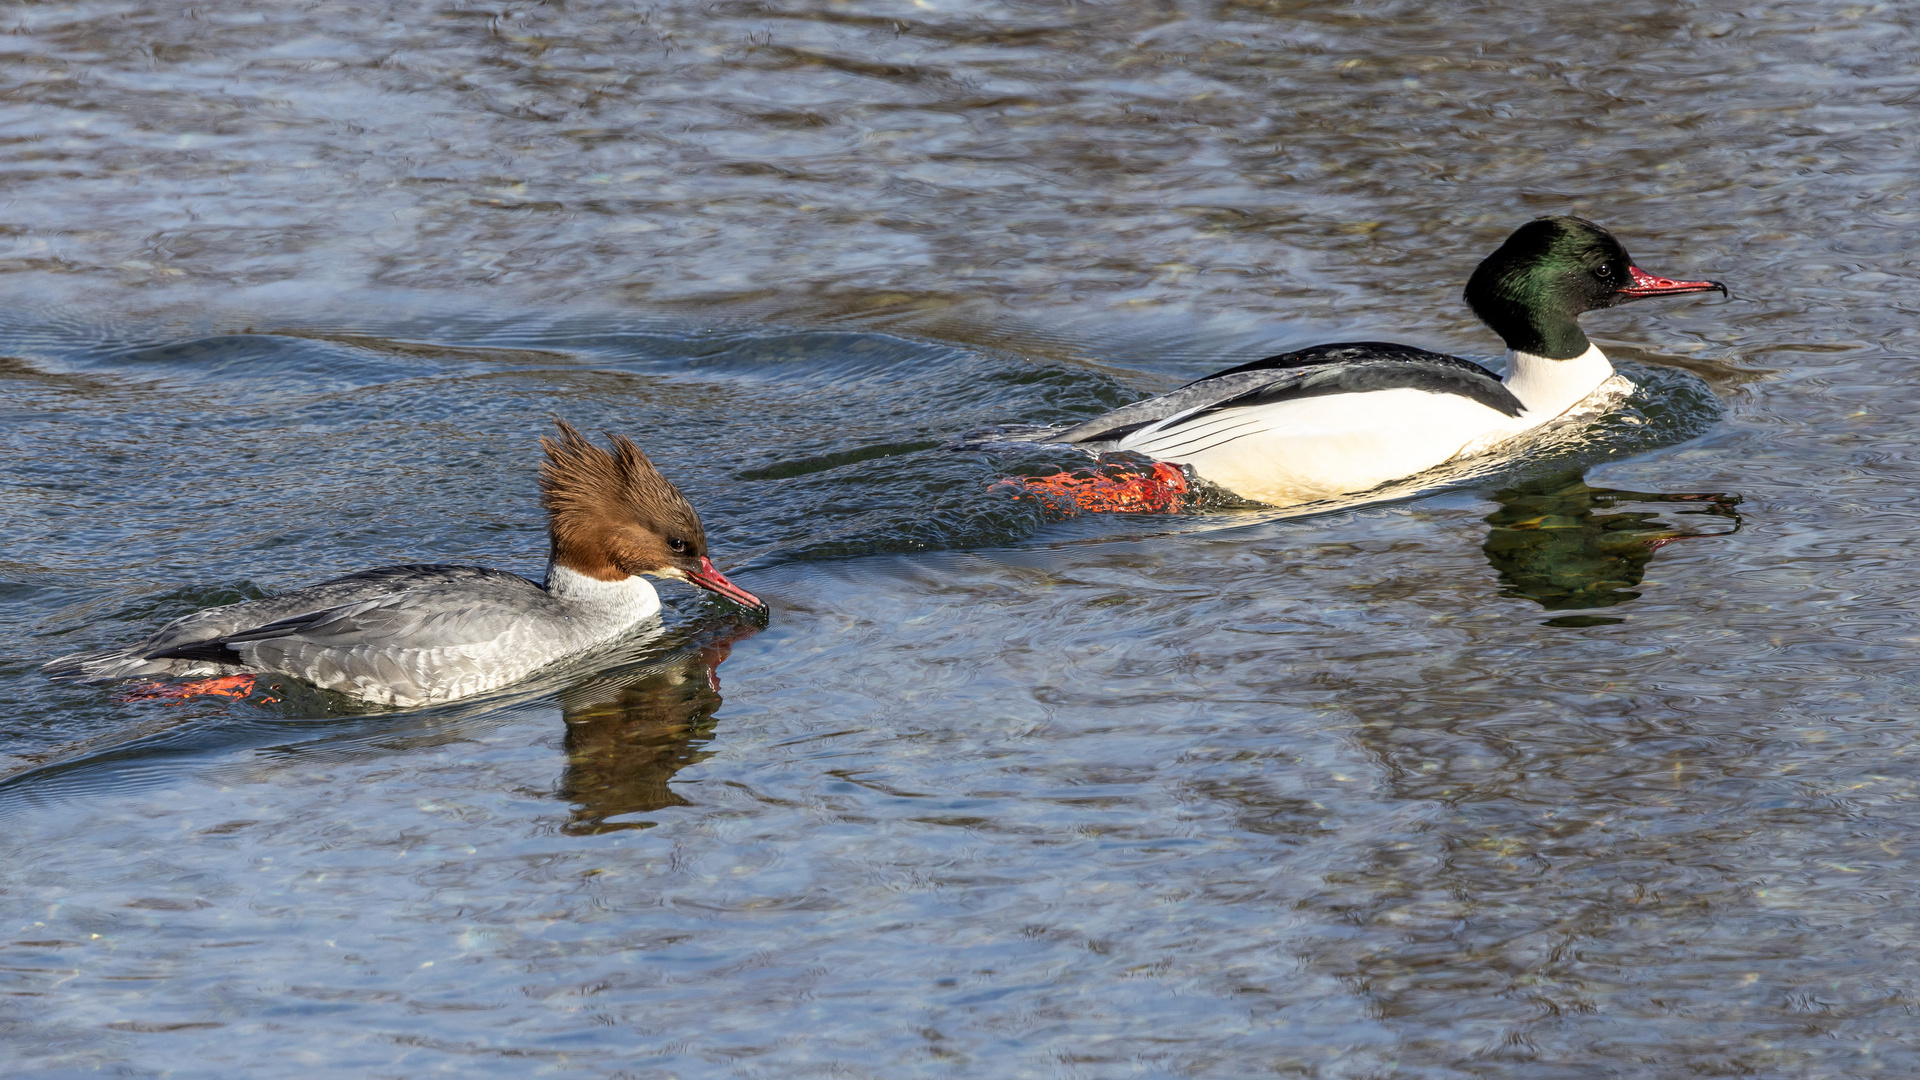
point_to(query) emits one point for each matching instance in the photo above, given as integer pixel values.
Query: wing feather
(341, 613)
(1342, 368)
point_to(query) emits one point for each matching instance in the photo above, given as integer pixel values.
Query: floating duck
(1343, 418)
(421, 634)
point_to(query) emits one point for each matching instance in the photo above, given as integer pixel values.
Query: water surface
(1595, 765)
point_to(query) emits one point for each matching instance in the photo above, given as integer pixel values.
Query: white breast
(1550, 387)
(617, 604)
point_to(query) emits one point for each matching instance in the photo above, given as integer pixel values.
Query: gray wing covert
(194, 634)
(406, 647)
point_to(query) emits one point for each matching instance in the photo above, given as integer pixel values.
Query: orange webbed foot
(226, 686)
(1159, 490)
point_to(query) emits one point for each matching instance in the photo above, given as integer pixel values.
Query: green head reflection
(1554, 542)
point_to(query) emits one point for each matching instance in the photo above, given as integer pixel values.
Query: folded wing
(1339, 369)
(411, 642)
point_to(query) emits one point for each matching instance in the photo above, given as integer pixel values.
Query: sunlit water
(1591, 765)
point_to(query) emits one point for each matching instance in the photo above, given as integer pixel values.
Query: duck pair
(1326, 420)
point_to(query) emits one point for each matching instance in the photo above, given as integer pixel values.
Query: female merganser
(413, 635)
(1347, 417)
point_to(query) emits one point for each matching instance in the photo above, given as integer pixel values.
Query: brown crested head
(612, 515)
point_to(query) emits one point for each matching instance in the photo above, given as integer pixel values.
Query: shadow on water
(628, 733)
(1553, 542)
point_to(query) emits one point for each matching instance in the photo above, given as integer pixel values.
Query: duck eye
(678, 545)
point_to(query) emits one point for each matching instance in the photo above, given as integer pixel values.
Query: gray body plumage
(400, 635)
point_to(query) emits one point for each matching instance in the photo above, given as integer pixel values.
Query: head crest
(608, 512)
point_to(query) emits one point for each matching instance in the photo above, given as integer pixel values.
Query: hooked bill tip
(1645, 284)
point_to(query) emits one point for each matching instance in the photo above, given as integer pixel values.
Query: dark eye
(678, 545)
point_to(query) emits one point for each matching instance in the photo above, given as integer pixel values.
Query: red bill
(1645, 284)
(714, 581)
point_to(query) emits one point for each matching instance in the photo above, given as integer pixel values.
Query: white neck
(629, 599)
(1548, 387)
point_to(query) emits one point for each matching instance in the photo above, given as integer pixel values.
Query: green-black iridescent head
(1549, 271)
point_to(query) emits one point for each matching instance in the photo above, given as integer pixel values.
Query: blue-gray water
(1592, 766)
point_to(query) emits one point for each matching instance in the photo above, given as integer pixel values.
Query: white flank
(1336, 444)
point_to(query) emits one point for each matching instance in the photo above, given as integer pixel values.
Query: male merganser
(1347, 417)
(414, 635)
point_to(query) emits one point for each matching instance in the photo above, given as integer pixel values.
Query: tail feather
(107, 664)
(84, 664)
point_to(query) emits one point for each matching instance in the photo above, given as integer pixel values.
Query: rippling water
(1592, 765)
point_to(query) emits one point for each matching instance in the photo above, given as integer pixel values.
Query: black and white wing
(1356, 367)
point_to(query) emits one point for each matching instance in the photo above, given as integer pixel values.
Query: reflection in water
(1550, 545)
(629, 731)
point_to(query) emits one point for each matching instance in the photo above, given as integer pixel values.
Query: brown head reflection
(1551, 541)
(629, 732)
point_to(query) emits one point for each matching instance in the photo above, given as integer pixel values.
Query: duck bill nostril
(711, 579)
(1645, 284)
